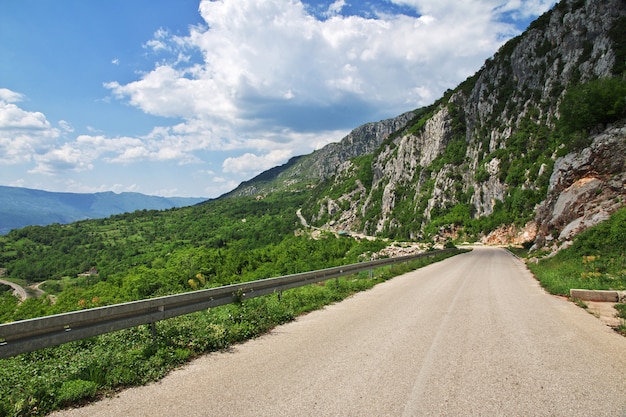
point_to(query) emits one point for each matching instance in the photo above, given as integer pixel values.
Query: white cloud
(254, 164)
(335, 8)
(275, 81)
(268, 80)
(66, 157)
(160, 41)
(13, 117)
(271, 64)
(523, 9)
(66, 126)
(23, 134)
(9, 96)
(480, 12)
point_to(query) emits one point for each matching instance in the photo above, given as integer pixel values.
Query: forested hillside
(149, 253)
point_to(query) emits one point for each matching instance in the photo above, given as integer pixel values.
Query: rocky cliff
(586, 187)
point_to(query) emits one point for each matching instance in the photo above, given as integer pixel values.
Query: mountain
(21, 207)
(310, 169)
(531, 148)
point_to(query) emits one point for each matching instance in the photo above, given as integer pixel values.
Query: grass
(39, 382)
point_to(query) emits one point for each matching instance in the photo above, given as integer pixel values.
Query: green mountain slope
(503, 149)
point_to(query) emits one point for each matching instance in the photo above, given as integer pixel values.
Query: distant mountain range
(20, 207)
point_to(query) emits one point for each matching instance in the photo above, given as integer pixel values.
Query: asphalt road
(18, 290)
(471, 336)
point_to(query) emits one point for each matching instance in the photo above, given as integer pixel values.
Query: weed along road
(474, 335)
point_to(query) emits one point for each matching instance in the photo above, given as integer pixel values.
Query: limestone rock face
(586, 187)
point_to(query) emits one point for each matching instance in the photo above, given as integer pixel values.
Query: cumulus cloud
(274, 80)
(66, 157)
(269, 80)
(272, 64)
(9, 96)
(254, 164)
(23, 134)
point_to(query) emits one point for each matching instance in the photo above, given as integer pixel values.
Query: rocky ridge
(310, 169)
(586, 187)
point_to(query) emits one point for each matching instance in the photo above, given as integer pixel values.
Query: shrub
(585, 106)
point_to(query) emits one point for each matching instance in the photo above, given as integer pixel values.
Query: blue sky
(189, 98)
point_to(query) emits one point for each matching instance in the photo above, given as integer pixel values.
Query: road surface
(18, 290)
(470, 336)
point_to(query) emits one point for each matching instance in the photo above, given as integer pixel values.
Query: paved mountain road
(18, 290)
(470, 336)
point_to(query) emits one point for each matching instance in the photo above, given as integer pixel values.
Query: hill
(21, 207)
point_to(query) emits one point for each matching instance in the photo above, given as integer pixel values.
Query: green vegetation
(39, 382)
(526, 162)
(596, 260)
(148, 254)
(586, 106)
(152, 253)
(618, 37)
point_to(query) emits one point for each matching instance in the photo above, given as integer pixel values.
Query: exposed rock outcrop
(586, 187)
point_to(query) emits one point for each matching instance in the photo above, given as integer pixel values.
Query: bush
(585, 106)
(449, 245)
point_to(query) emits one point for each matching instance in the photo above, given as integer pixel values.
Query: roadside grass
(36, 383)
(595, 261)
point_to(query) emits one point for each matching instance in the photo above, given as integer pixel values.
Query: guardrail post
(153, 330)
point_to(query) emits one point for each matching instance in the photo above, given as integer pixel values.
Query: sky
(190, 98)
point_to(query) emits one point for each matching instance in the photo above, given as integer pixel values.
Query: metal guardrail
(29, 335)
